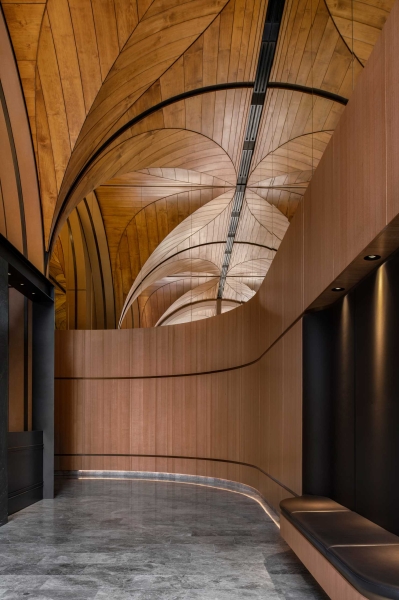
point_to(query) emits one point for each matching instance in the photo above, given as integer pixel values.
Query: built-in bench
(351, 557)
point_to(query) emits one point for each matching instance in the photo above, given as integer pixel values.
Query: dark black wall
(43, 387)
(329, 403)
(351, 399)
(25, 469)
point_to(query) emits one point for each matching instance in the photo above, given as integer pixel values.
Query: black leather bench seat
(364, 553)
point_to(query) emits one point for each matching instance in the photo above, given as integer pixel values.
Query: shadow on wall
(351, 406)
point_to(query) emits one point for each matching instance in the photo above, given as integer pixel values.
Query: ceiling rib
(265, 62)
(184, 96)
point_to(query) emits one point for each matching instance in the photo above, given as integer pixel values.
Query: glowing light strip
(183, 482)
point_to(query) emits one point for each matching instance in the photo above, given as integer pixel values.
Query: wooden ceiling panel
(87, 49)
(161, 178)
(163, 148)
(359, 23)
(205, 291)
(236, 292)
(197, 243)
(282, 176)
(196, 312)
(201, 238)
(291, 115)
(165, 177)
(65, 51)
(143, 227)
(157, 298)
(158, 40)
(54, 105)
(24, 21)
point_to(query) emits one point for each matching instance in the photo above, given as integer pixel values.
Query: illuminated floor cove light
(85, 474)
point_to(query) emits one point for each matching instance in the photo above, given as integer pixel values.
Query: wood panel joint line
(16, 169)
(163, 319)
(131, 293)
(192, 374)
(179, 97)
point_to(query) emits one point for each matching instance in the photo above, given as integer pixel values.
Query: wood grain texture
(201, 135)
(210, 416)
(24, 22)
(333, 583)
(21, 211)
(359, 24)
(391, 99)
(359, 175)
(229, 388)
(88, 67)
(318, 233)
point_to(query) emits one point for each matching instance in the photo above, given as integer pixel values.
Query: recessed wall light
(372, 257)
(33, 293)
(338, 289)
(9, 273)
(21, 284)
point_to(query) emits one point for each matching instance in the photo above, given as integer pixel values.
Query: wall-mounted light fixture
(372, 257)
(338, 289)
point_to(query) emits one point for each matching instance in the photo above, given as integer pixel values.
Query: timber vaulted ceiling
(174, 140)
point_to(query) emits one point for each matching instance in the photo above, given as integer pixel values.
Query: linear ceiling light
(265, 62)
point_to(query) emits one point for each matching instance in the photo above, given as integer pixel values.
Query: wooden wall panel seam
(190, 374)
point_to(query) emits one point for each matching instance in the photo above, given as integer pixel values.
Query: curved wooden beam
(304, 89)
(179, 97)
(193, 248)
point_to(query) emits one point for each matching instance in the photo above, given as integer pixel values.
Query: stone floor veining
(143, 540)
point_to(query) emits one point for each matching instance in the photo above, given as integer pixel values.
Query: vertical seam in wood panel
(78, 61)
(4, 210)
(17, 174)
(62, 89)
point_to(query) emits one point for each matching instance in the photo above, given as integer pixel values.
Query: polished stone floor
(116, 540)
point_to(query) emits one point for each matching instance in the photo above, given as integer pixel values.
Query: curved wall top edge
(349, 208)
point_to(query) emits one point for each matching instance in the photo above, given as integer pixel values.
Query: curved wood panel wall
(222, 396)
(20, 211)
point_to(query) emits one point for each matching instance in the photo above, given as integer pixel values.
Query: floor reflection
(148, 540)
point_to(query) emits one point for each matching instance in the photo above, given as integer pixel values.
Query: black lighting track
(184, 96)
(267, 52)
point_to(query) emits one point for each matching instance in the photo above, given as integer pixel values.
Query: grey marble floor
(146, 540)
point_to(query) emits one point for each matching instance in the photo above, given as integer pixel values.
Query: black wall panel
(377, 396)
(351, 399)
(317, 405)
(329, 407)
(25, 469)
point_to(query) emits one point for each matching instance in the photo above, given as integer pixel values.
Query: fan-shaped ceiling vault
(141, 114)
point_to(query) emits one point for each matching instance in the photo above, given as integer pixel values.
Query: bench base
(326, 575)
